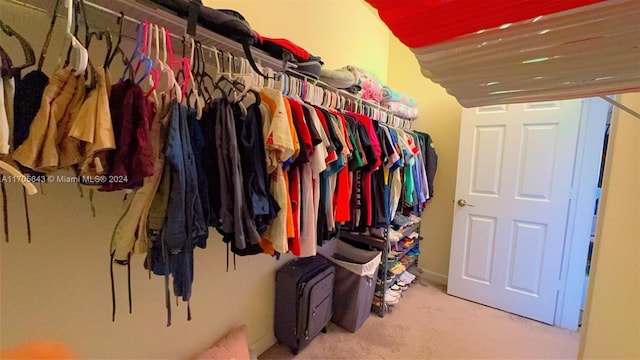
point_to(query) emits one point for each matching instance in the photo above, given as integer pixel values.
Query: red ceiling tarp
(487, 52)
(419, 23)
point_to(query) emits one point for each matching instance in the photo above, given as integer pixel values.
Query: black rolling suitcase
(304, 301)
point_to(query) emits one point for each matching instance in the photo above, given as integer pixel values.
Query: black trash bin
(355, 282)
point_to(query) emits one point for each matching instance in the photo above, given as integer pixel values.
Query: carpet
(429, 324)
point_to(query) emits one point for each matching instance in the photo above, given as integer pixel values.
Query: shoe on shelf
(396, 287)
(401, 221)
(406, 277)
(396, 294)
(414, 219)
(390, 299)
(394, 236)
(401, 285)
(397, 268)
(389, 280)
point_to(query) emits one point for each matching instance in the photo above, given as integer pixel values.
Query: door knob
(463, 202)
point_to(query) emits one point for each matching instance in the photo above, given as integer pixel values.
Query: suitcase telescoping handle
(295, 328)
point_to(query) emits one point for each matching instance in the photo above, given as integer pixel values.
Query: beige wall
(59, 287)
(611, 328)
(440, 116)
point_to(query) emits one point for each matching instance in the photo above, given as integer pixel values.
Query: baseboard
(435, 277)
(262, 345)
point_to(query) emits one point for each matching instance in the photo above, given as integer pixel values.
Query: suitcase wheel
(324, 330)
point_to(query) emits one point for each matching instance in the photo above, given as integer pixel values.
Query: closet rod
(405, 122)
(135, 10)
(137, 22)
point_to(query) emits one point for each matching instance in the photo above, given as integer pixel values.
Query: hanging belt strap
(26, 214)
(5, 211)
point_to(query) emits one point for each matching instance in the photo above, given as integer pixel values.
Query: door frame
(580, 213)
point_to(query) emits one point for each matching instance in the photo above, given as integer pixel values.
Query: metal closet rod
(110, 12)
(137, 22)
(406, 123)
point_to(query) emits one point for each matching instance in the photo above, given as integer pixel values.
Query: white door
(515, 169)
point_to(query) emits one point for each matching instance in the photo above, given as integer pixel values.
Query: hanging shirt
(8, 86)
(94, 128)
(311, 195)
(308, 232)
(319, 140)
(27, 100)
(290, 226)
(431, 162)
(279, 147)
(132, 114)
(294, 195)
(302, 132)
(294, 135)
(45, 148)
(235, 221)
(185, 226)
(4, 122)
(131, 232)
(343, 188)
(295, 180)
(252, 157)
(379, 185)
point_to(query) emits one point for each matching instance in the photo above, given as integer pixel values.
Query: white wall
(58, 287)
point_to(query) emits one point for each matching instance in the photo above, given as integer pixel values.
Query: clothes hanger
(78, 52)
(202, 75)
(242, 78)
(165, 69)
(165, 76)
(252, 87)
(197, 102)
(117, 49)
(137, 55)
(178, 67)
(45, 46)
(29, 55)
(271, 80)
(6, 65)
(223, 82)
(153, 78)
(23, 180)
(100, 36)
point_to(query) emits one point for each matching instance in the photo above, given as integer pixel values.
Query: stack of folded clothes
(340, 79)
(401, 221)
(399, 104)
(370, 87)
(306, 63)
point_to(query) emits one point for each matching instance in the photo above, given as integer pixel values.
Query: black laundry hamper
(354, 284)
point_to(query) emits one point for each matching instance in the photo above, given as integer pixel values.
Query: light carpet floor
(429, 324)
